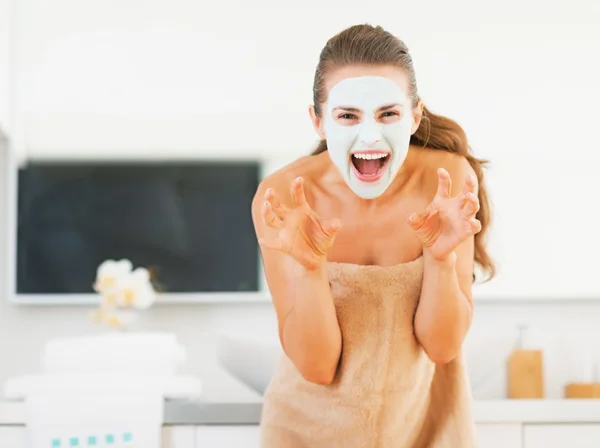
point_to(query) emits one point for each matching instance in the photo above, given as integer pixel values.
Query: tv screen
(190, 223)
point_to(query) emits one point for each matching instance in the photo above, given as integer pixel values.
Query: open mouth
(369, 165)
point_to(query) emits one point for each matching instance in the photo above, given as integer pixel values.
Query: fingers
(473, 226)
(330, 226)
(298, 195)
(269, 217)
(276, 205)
(298, 192)
(275, 244)
(444, 184)
(470, 184)
(469, 205)
(416, 220)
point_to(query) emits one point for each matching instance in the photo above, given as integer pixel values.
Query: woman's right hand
(302, 234)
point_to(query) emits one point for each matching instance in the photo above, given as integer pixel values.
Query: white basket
(94, 421)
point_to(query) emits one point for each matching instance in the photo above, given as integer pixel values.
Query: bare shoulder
(430, 160)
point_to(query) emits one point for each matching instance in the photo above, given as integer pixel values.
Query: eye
(389, 116)
(347, 116)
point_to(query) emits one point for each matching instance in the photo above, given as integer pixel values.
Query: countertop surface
(182, 412)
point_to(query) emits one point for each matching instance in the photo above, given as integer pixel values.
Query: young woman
(369, 257)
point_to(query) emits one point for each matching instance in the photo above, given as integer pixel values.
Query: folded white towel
(103, 388)
(64, 384)
(155, 353)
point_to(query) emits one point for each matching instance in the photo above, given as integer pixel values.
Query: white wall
(184, 79)
(550, 33)
(4, 63)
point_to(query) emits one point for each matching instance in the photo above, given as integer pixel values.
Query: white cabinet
(499, 435)
(12, 437)
(177, 437)
(225, 436)
(489, 435)
(172, 437)
(562, 436)
(517, 435)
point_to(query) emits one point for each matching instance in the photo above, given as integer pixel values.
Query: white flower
(136, 290)
(110, 274)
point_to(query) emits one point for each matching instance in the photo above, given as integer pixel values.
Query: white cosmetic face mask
(368, 152)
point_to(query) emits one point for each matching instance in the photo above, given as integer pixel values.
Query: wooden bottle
(582, 390)
(525, 371)
(588, 386)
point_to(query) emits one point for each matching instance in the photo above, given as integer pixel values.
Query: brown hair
(366, 44)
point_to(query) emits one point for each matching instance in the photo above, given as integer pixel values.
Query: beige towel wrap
(386, 393)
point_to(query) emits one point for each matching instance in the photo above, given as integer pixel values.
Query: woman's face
(367, 121)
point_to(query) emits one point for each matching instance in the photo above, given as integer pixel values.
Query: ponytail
(443, 134)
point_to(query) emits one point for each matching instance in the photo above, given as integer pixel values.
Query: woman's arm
(444, 314)
(445, 310)
(308, 328)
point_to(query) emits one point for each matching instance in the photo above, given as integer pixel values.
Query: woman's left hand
(447, 221)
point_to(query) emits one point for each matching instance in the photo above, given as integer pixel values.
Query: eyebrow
(390, 106)
(382, 108)
(348, 108)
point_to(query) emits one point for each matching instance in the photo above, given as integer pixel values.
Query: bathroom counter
(180, 412)
(177, 412)
(488, 411)
(198, 413)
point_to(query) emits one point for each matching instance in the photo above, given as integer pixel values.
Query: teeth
(370, 156)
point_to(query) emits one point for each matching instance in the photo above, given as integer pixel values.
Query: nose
(370, 134)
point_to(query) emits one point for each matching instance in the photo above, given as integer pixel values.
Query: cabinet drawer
(13, 437)
(178, 437)
(562, 436)
(225, 436)
(499, 435)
